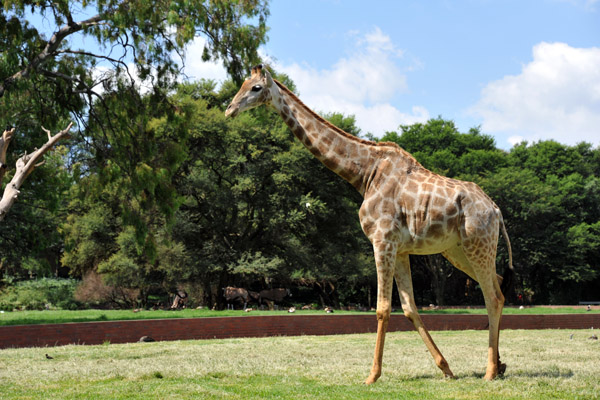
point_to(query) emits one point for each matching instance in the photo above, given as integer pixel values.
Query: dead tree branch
(4, 142)
(25, 166)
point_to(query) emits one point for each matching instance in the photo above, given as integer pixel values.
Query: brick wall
(260, 326)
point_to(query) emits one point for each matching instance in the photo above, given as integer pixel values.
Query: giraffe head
(254, 92)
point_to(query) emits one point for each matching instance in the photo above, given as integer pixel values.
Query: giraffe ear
(268, 77)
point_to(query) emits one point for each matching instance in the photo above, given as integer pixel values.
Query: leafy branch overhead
(115, 35)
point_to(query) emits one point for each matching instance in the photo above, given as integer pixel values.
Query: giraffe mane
(389, 145)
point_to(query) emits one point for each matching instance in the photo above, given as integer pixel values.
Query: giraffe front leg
(384, 256)
(405, 287)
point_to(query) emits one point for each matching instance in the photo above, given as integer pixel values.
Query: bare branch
(47, 132)
(87, 53)
(25, 166)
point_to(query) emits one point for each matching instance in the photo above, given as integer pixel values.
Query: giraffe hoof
(449, 375)
(489, 377)
(501, 369)
(371, 379)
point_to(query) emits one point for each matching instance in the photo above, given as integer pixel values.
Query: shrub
(94, 292)
(40, 294)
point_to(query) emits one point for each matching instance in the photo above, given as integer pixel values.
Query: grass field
(541, 365)
(61, 316)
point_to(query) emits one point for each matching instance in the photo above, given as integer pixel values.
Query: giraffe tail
(509, 273)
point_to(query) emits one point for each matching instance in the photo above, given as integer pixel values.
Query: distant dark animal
(180, 300)
(254, 296)
(49, 357)
(146, 339)
(274, 295)
(233, 294)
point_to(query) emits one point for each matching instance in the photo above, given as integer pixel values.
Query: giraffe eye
(256, 88)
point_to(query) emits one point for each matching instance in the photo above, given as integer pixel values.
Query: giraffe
(407, 209)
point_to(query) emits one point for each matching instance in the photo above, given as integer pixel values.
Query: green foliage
(159, 190)
(89, 238)
(584, 249)
(119, 216)
(147, 31)
(39, 294)
(85, 60)
(30, 230)
(257, 204)
(440, 147)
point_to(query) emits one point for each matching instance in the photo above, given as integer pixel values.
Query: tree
(258, 205)
(440, 147)
(64, 61)
(144, 32)
(124, 198)
(35, 248)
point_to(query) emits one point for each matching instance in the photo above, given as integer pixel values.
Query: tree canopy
(85, 62)
(156, 190)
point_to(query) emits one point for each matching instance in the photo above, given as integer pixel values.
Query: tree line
(157, 191)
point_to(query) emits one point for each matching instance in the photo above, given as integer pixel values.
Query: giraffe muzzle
(231, 111)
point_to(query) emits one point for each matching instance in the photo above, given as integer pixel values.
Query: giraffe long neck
(350, 157)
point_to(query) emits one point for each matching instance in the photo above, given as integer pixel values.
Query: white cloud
(196, 68)
(101, 73)
(556, 96)
(362, 84)
(515, 139)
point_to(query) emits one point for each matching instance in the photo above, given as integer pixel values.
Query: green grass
(63, 316)
(515, 310)
(541, 365)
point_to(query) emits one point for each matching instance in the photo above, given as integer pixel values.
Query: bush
(40, 294)
(94, 292)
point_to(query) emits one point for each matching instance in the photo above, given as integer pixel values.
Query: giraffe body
(407, 209)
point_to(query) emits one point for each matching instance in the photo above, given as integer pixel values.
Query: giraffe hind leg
(483, 270)
(405, 287)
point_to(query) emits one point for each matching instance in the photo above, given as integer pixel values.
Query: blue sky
(522, 70)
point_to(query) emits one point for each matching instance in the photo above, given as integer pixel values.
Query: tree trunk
(438, 270)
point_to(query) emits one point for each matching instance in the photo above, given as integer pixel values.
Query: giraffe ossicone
(407, 209)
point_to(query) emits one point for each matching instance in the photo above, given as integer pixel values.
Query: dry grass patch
(541, 364)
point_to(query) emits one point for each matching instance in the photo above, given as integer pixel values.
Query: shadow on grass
(420, 377)
(550, 372)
